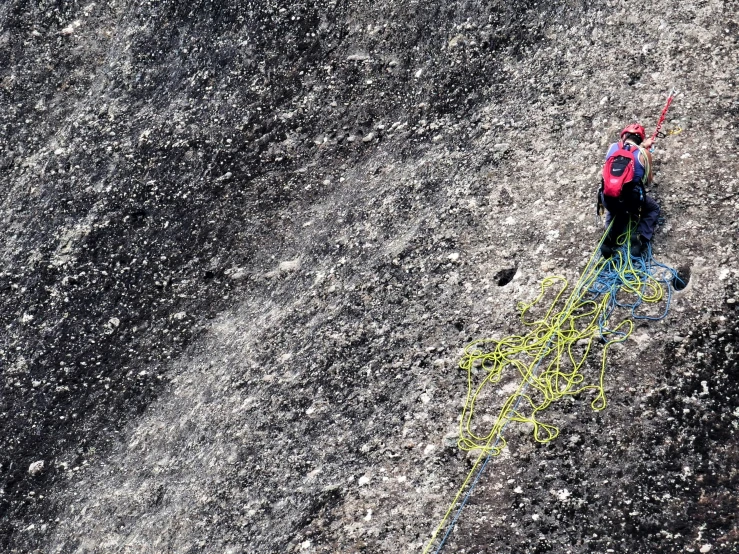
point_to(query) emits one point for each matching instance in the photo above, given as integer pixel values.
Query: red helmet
(634, 129)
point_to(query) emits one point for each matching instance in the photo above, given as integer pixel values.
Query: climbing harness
(549, 362)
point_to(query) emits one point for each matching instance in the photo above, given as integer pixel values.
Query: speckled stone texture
(245, 241)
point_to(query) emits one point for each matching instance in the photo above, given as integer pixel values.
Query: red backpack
(618, 170)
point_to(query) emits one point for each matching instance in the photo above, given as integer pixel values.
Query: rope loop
(549, 362)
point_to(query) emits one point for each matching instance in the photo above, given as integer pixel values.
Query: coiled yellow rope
(549, 358)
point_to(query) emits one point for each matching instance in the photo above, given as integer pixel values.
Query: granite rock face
(245, 242)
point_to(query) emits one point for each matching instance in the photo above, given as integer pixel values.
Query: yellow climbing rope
(547, 362)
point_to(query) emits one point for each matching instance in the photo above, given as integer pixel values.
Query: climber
(626, 172)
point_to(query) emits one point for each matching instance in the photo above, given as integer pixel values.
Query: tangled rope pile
(549, 359)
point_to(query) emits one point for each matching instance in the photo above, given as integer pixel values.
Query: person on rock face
(631, 201)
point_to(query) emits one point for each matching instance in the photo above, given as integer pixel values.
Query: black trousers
(648, 216)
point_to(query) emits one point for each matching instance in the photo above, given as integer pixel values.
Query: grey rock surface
(245, 243)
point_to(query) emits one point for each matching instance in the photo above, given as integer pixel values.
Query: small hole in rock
(682, 278)
(504, 276)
